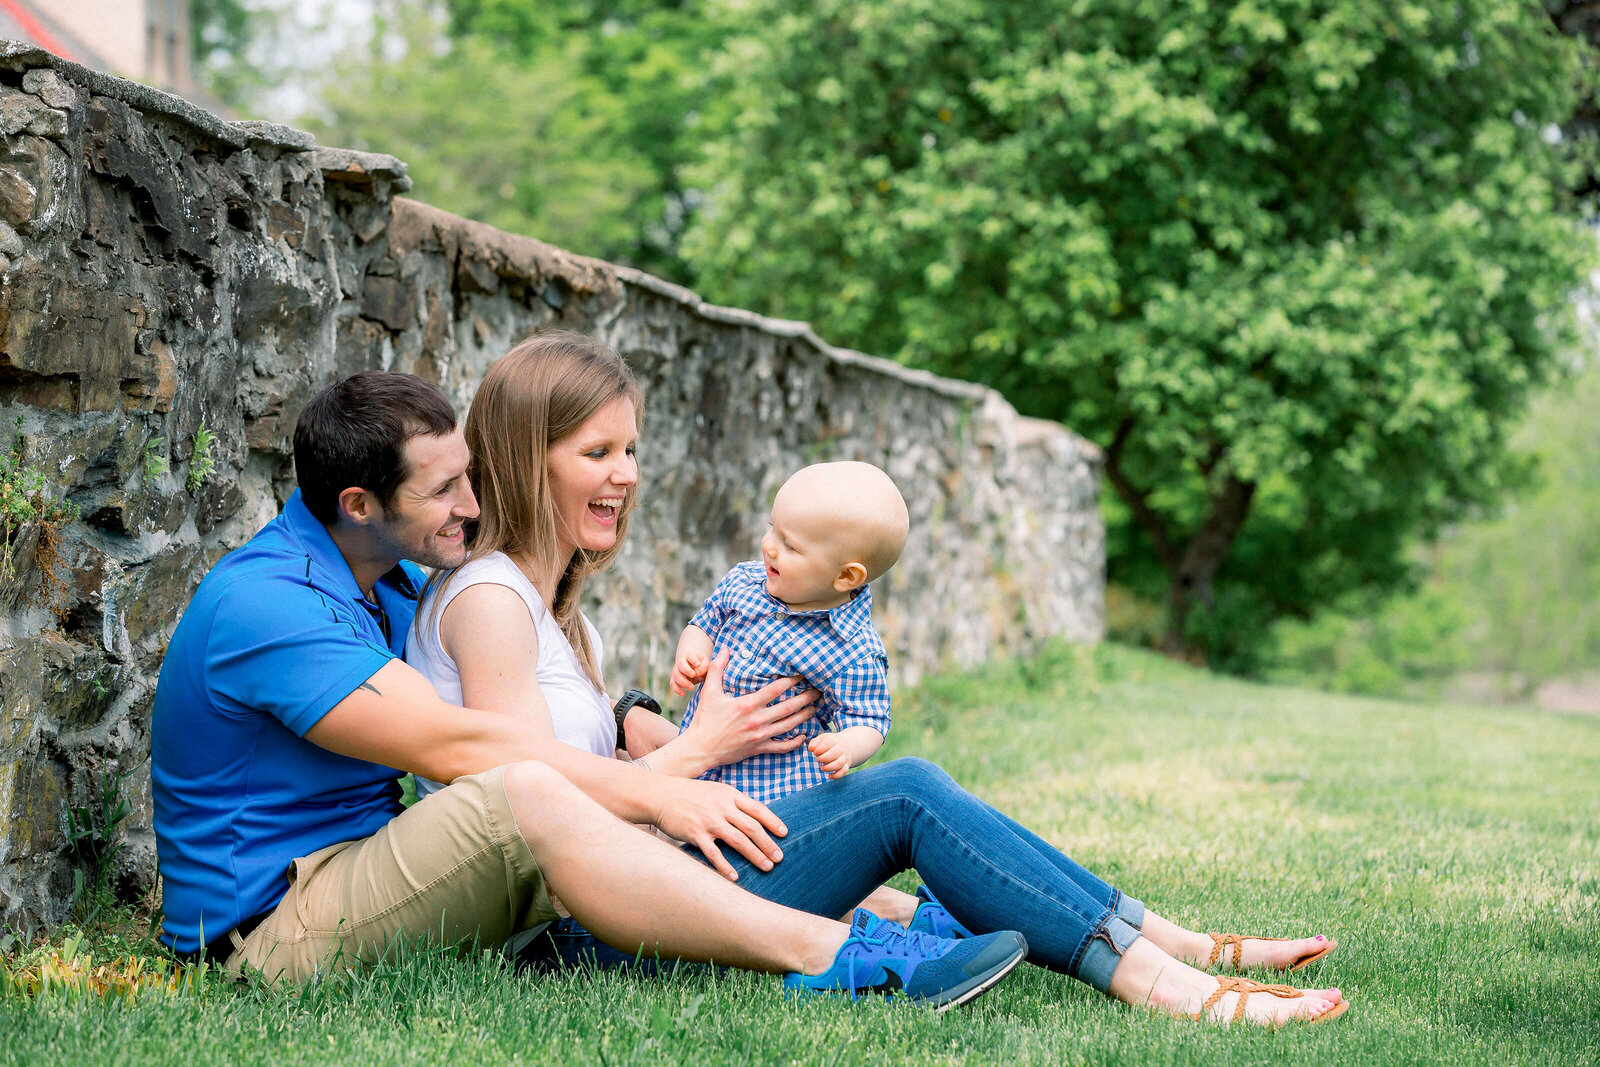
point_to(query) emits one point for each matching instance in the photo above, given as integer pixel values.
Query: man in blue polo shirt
(284, 715)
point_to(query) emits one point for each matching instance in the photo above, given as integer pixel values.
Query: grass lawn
(1453, 851)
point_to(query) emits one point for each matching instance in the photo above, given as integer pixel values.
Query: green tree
(644, 57)
(572, 121)
(528, 146)
(1292, 263)
(239, 48)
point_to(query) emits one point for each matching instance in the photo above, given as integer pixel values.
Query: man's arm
(397, 719)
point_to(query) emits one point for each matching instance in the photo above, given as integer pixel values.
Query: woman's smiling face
(591, 471)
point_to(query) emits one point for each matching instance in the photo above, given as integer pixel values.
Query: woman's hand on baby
(728, 729)
(703, 813)
(831, 755)
(688, 672)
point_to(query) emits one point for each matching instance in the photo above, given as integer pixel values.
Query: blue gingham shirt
(835, 650)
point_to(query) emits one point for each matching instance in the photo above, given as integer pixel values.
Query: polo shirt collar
(324, 552)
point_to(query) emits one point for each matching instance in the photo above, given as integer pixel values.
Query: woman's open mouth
(604, 510)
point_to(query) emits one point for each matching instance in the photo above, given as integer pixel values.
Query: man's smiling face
(423, 520)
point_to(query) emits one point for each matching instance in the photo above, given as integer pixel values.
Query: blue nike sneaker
(884, 957)
(932, 918)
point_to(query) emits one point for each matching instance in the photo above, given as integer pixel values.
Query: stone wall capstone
(162, 270)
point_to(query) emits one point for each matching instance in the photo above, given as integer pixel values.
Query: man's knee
(532, 782)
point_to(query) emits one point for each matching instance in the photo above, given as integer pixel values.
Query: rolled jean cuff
(1105, 951)
(1129, 910)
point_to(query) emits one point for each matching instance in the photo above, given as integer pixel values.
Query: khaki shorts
(449, 868)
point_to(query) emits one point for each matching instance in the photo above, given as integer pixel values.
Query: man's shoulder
(268, 581)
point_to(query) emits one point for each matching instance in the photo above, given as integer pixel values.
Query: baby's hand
(830, 754)
(688, 672)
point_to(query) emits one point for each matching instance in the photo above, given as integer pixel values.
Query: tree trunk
(1190, 569)
(1191, 573)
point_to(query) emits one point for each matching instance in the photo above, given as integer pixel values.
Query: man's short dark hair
(354, 433)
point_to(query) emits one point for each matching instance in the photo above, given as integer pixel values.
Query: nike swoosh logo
(891, 984)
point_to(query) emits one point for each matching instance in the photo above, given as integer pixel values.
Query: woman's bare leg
(1149, 976)
(1195, 948)
(631, 890)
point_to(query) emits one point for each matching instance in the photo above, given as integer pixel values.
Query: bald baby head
(835, 527)
(855, 506)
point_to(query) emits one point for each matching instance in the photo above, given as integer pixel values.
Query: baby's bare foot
(1235, 953)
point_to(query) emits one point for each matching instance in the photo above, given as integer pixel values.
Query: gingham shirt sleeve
(715, 610)
(859, 693)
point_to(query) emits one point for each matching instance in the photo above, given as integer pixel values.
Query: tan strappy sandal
(1220, 942)
(1244, 987)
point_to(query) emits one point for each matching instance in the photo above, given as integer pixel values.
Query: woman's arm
(646, 732)
(487, 631)
(727, 729)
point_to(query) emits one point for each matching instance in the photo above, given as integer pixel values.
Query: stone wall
(164, 270)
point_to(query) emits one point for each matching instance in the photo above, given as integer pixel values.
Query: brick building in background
(143, 40)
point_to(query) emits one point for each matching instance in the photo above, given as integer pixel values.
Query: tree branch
(1138, 501)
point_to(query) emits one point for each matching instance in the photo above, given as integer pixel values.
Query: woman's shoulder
(496, 568)
(484, 568)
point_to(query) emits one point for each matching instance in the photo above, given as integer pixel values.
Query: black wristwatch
(633, 698)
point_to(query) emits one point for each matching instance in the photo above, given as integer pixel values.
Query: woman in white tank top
(580, 712)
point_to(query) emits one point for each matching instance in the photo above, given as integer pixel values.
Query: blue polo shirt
(276, 635)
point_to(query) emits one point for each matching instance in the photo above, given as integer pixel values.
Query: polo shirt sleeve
(283, 648)
(859, 693)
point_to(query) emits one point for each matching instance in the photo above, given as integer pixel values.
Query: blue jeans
(846, 837)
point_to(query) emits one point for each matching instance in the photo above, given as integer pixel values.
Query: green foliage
(241, 48)
(565, 122)
(1295, 267)
(1398, 647)
(94, 840)
(24, 500)
(154, 461)
(1517, 595)
(201, 463)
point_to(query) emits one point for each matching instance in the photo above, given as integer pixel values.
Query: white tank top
(580, 713)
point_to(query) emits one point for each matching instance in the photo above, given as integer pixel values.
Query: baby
(804, 609)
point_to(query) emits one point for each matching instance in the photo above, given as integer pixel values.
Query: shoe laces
(892, 940)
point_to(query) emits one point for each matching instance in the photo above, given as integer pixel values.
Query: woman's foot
(1147, 975)
(1237, 1000)
(1238, 953)
(1233, 952)
(1219, 1000)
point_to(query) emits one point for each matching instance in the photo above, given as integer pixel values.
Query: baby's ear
(852, 576)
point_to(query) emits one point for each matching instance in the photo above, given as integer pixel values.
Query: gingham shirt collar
(846, 619)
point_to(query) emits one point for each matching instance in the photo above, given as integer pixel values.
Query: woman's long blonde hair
(542, 390)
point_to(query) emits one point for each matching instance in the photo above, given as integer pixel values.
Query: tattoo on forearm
(369, 686)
